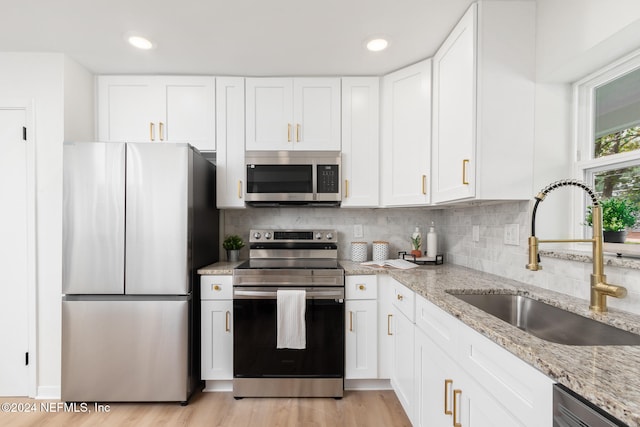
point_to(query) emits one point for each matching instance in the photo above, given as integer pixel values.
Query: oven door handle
(325, 294)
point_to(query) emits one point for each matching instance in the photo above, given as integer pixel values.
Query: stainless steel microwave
(297, 178)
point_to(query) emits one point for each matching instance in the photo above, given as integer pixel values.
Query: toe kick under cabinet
(216, 293)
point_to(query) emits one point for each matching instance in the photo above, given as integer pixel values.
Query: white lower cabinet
(466, 380)
(402, 372)
(361, 335)
(216, 331)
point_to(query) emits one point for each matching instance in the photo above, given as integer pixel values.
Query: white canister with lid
(380, 250)
(358, 251)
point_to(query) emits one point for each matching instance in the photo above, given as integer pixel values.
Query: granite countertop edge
(608, 376)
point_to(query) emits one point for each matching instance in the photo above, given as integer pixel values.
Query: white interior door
(14, 374)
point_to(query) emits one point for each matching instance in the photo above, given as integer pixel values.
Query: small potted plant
(618, 214)
(416, 242)
(233, 244)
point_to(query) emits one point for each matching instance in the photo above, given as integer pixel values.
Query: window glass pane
(617, 116)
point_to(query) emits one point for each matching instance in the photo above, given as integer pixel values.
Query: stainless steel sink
(548, 322)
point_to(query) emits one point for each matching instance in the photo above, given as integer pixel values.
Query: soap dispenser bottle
(432, 241)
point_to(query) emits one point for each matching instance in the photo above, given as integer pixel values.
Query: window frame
(585, 164)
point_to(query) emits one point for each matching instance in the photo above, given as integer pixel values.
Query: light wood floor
(357, 408)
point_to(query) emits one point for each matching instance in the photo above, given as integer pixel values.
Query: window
(608, 139)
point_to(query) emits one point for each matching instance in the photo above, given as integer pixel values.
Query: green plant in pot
(233, 244)
(618, 214)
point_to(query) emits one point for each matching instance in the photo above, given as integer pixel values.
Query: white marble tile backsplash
(454, 227)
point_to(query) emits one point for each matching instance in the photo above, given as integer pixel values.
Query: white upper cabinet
(406, 136)
(360, 142)
(230, 142)
(293, 114)
(157, 109)
(483, 105)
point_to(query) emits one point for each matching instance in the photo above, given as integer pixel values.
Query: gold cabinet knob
(400, 297)
(216, 287)
(362, 287)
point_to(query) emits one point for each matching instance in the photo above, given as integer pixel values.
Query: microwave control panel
(328, 179)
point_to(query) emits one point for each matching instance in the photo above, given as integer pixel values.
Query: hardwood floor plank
(357, 408)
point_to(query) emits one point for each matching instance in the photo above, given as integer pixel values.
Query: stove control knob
(256, 235)
(267, 235)
(329, 236)
(318, 236)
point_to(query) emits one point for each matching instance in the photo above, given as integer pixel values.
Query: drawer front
(404, 299)
(216, 287)
(361, 287)
(436, 324)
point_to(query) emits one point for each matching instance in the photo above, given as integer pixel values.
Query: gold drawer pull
(161, 131)
(456, 393)
(151, 132)
(389, 316)
(298, 132)
(216, 287)
(424, 184)
(465, 163)
(362, 287)
(351, 321)
(346, 188)
(400, 297)
(227, 325)
(288, 132)
(239, 189)
(447, 385)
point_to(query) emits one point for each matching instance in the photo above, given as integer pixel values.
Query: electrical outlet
(358, 232)
(475, 233)
(511, 234)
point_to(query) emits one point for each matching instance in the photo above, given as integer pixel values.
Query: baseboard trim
(370, 384)
(48, 392)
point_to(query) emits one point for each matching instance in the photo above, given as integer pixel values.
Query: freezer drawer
(127, 349)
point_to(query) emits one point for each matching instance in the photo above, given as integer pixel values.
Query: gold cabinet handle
(389, 316)
(424, 184)
(456, 393)
(152, 132)
(400, 297)
(465, 162)
(216, 287)
(239, 189)
(161, 131)
(350, 321)
(447, 385)
(298, 132)
(288, 132)
(227, 325)
(346, 188)
(362, 287)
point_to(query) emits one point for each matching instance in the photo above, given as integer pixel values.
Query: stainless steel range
(281, 260)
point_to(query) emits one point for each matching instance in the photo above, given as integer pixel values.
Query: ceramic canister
(358, 251)
(380, 250)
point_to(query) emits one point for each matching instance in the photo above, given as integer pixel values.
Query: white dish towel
(291, 324)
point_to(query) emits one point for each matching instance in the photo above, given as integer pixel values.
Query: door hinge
(24, 133)
(26, 358)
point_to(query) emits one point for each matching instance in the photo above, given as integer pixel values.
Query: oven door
(280, 183)
(254, 345)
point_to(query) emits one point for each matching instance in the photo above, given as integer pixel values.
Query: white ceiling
(231, 37)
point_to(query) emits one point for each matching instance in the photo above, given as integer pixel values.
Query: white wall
(41, 79)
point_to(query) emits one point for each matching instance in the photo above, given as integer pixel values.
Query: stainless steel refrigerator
(138, 221)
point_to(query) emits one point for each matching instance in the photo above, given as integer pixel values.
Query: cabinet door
(269, 114)
(454, 112)
(130, 108)
(361, 339)
(406, 136)
(316, 114)
(230, 129)
(402, 375)
(385, 327)
(190, 111)
(435, 375)
(360, 144)
(477, 408)
(217, 340)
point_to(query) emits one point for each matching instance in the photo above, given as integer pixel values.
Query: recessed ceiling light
(140, 42)
(377, 44)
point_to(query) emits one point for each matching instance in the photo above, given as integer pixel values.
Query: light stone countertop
(608, 376)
